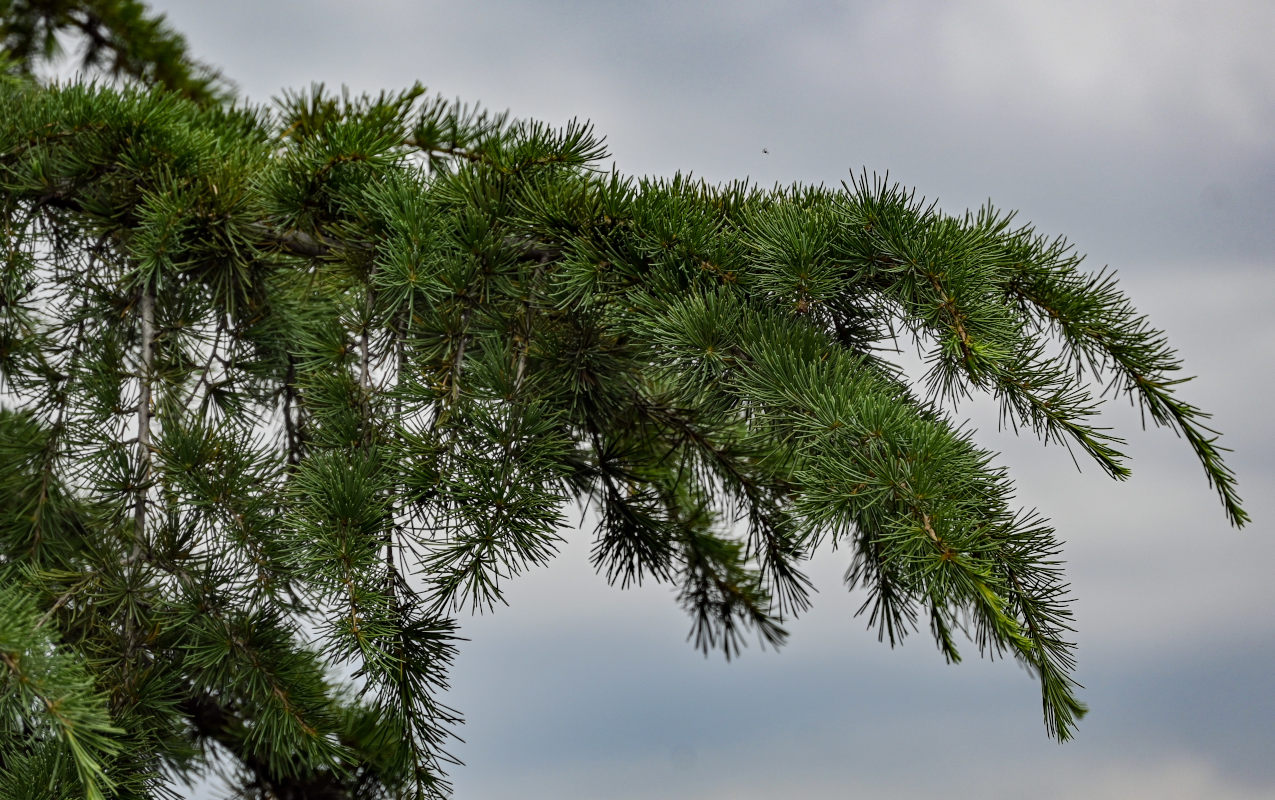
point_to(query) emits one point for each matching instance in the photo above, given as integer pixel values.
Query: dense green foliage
(284, 390)
(118, 36)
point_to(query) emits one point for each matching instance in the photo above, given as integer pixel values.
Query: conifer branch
(145, 375)
(142, 478)
(687, 356)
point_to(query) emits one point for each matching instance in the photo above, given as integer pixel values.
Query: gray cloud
(629, 706)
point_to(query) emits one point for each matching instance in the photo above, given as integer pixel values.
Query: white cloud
(1080, 70)
(1134, 67)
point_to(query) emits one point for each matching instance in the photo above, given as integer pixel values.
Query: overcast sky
(1143, 131)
